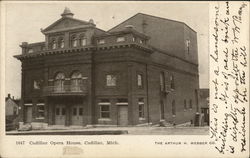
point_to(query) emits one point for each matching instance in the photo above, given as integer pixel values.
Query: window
(188, 45)
(139, 80)
(104, 108)
(120, 39)
(61, 43)
(74, 111)
(37, 84)
(172, 86)
(73, 41)
(101, 41)
(53, 44)
(122, 101)
(57, 111)
(83, 41)
(63, 111)
(80, 111)
(111, 80)
(40, 110)
(59, 82)
(30, 50)
(190, 104)
(141, 107)
(15, 111)
(162, 81)
(76, 81)
(185, 104)
(173, 108)
(134, 39)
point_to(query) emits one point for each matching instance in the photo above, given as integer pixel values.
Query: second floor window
(172, 86)
(185, 104)
(59, 82)
(61, 43)
(101, 41)
(190, 104)
(73, 41)
(37, 84)
(82, 40)
(139, 80)
(162, 81)
(54, 44)
(188, 45)
(120, 39)
(111, 80)
(76, 81)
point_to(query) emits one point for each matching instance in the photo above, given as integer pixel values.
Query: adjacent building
(144, 70)
(11, 112)
(204, 105)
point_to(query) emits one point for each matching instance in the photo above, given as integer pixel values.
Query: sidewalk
(118, 131)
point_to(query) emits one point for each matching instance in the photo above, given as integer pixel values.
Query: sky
(23, 21)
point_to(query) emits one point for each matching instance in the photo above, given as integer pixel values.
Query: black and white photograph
(133, 69)
(124, 79)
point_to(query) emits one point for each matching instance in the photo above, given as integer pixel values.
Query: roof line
(153, 17)
(53, 24)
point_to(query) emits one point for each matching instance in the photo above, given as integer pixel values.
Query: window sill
(142, 119)
(104, 119)
(40, 118)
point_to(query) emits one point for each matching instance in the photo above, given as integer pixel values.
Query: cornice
(81, 49)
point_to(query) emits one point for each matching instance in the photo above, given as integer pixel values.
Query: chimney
(24, 47)
(13, 97)
(8, 95)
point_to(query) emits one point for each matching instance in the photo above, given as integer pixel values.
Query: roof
(82, 22)
(143, 14)
(125, 31)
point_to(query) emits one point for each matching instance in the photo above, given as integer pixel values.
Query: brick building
(143, 70)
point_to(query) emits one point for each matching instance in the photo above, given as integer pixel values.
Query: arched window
(74, 41)
(61, 43)
(83, 40)
(53, 44)
(76, 81)
(172, 82)
(59, 82)
(162, 81)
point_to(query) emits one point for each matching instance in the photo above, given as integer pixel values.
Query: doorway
(123, 115)
(77, 115)
(28, 114)
(60, 114)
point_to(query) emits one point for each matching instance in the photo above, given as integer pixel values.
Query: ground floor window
(141, 107)
(40, 110)
(104, 108)
(190, 104)
(173, 108)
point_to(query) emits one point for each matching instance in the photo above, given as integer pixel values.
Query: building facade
(144, 70)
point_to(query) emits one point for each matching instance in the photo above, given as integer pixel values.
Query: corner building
(144, 70)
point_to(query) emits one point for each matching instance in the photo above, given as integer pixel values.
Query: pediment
(65, 23)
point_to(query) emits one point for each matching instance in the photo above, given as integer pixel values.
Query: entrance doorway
(123, 115)
(28, 114)
(77, 115)
(60, 115)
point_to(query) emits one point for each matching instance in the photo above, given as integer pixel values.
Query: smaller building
(204, 104)
(11, 112)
